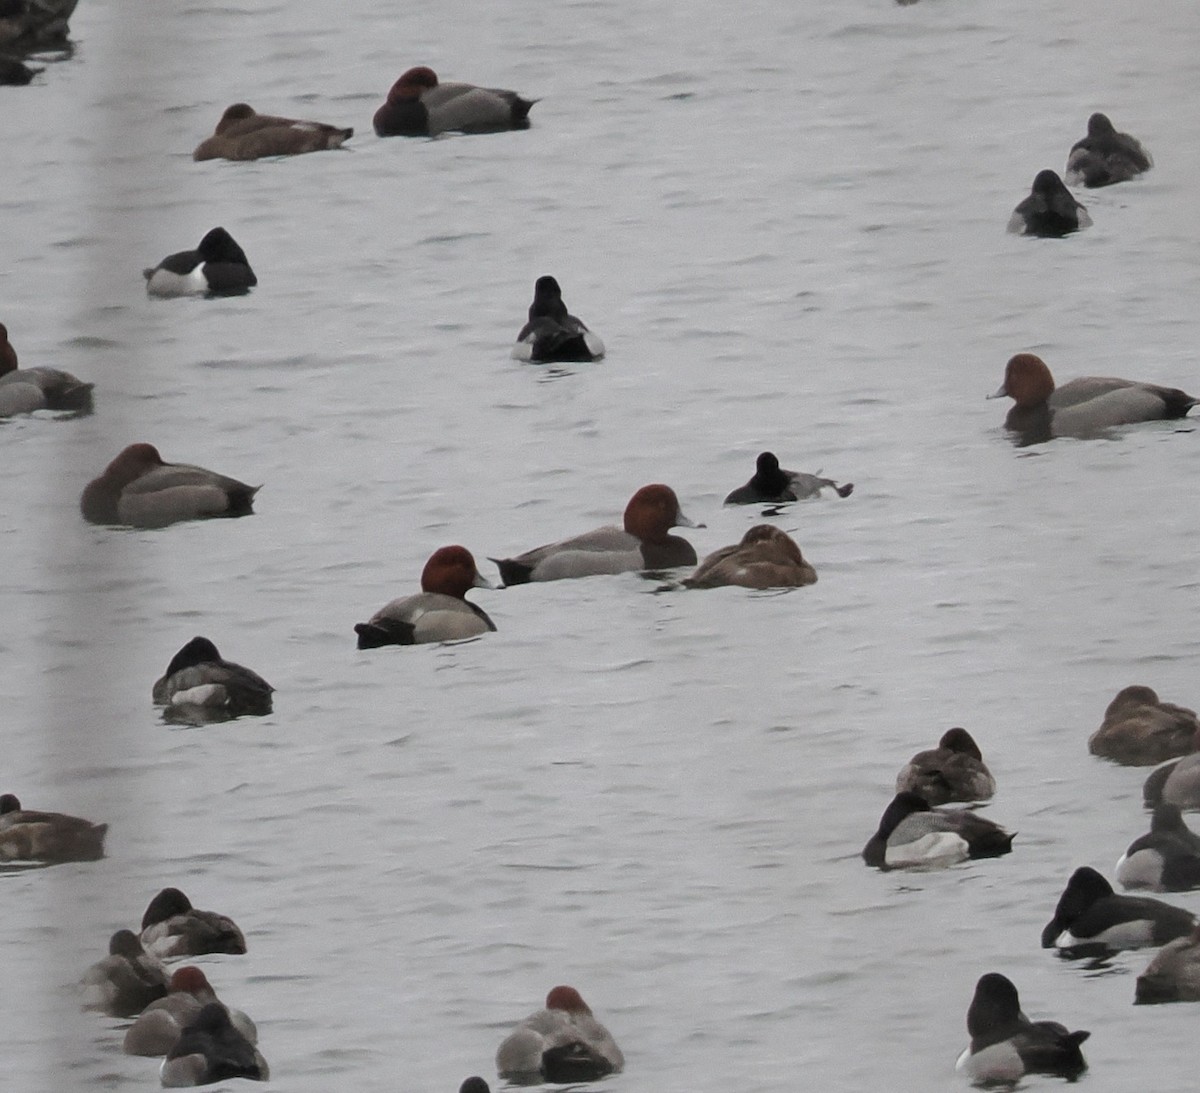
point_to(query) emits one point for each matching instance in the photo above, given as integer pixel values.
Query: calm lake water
(787, 223)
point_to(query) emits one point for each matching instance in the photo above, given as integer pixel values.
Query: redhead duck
(1138, 730)
(1091, 919)
(1174, 973)
(767, 557)
(217, 267)
(953, 771)
(244, 134)
(1165, 860)
(439, 612)
(1177, 782)
(773, 484)
(562, 1043)
(1105, 156)
(23, 390)
(199, 680)
(126, 981)
(138, 489)
(552, 333)
(209, 1050)
(1081, 408)
(1006, 1045)
(172, 927)
(418, 105)
(160, 1024)
(643, 543)
(1049, 211)
(47, 836)
(913, 835)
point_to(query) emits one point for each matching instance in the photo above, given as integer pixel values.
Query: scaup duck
(772, 484)
(1085, 407)
(1167, 859)
(439, 612)
(26, 835)
(198, 678)
(126, 981)
(24, 390)
(1091, 919)
(1105, 156)
(767, 557)
(419, 105)
(159, 1026)
(244, 134)
(474, 1085)
(1174, 973)
(953, 771)
(212, 1050)
(1177, 782)
(1049, 211)
(172, 927)
(644, 542)
(1139, 730)
(1006, 1045)
(217, 267)
(552, 334)
(138, 489)
(561, 1043)
(911, 834)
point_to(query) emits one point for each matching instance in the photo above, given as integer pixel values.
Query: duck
(419, 105)
(1005, 1045)
(766, 557)
(953, 771)
(28, 26)
(772, 484)
(1174, 973)
(1177, 782)
(911, 834)
(138, 489)
(1105, 156)
(552, 334)
(1167, 859)
(161, 1023)
(172, 927)
(644, 542)
(1091, 919)
(1050, 211)
(562, 1043)
(439, 612)
(243, 134)
(1085, 407)
(199, 678)
(127, 980)
(24, 390)
(1139, 730)
(50, 837)
(474, 1084)
(217, 267)
(209, 1050)
(14, 73)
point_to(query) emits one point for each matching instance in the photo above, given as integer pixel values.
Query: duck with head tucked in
(1083, 408)
(161, 1023)
(126, 981)
(561, 1043)
(51, 837)
(1006, 1045)
(1177, 782)
(439, 612)
(209, 1050)
(420, 105)
(771, 484)
(24, 390)
(644, 542)
(953, 771)
(1166, 859)
(1139, 730)
(911, 835)
(1173, 975)
(1050, 211)
(1105, 156)
(552, 334)
(767, 557)
(217, 267)
(244, 134)
(199, 680)
(172, 927)
(138, 489)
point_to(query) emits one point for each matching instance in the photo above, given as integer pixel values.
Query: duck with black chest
(1105, 156)
(49, 837)
(172, 927)
(1050, 211)
(561, 1043)
(211, 1050)
(421, 105)
(25, 390)
(953, 771)
(199, 684)
(159, 1026)
(552, 334)
(1166, 859)
(217, 267)
(912, 835)
(1177, 782)
(771, 484)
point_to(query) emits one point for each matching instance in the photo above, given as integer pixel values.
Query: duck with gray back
(24, 390)
(217, 267)
(911, 835)
(421, 105)
(200, 682)
(159, 1026)
(211, 1050)
(771, 484)
(1106, 156)
(1166, 859)
(552, 334)
(561, 1043)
